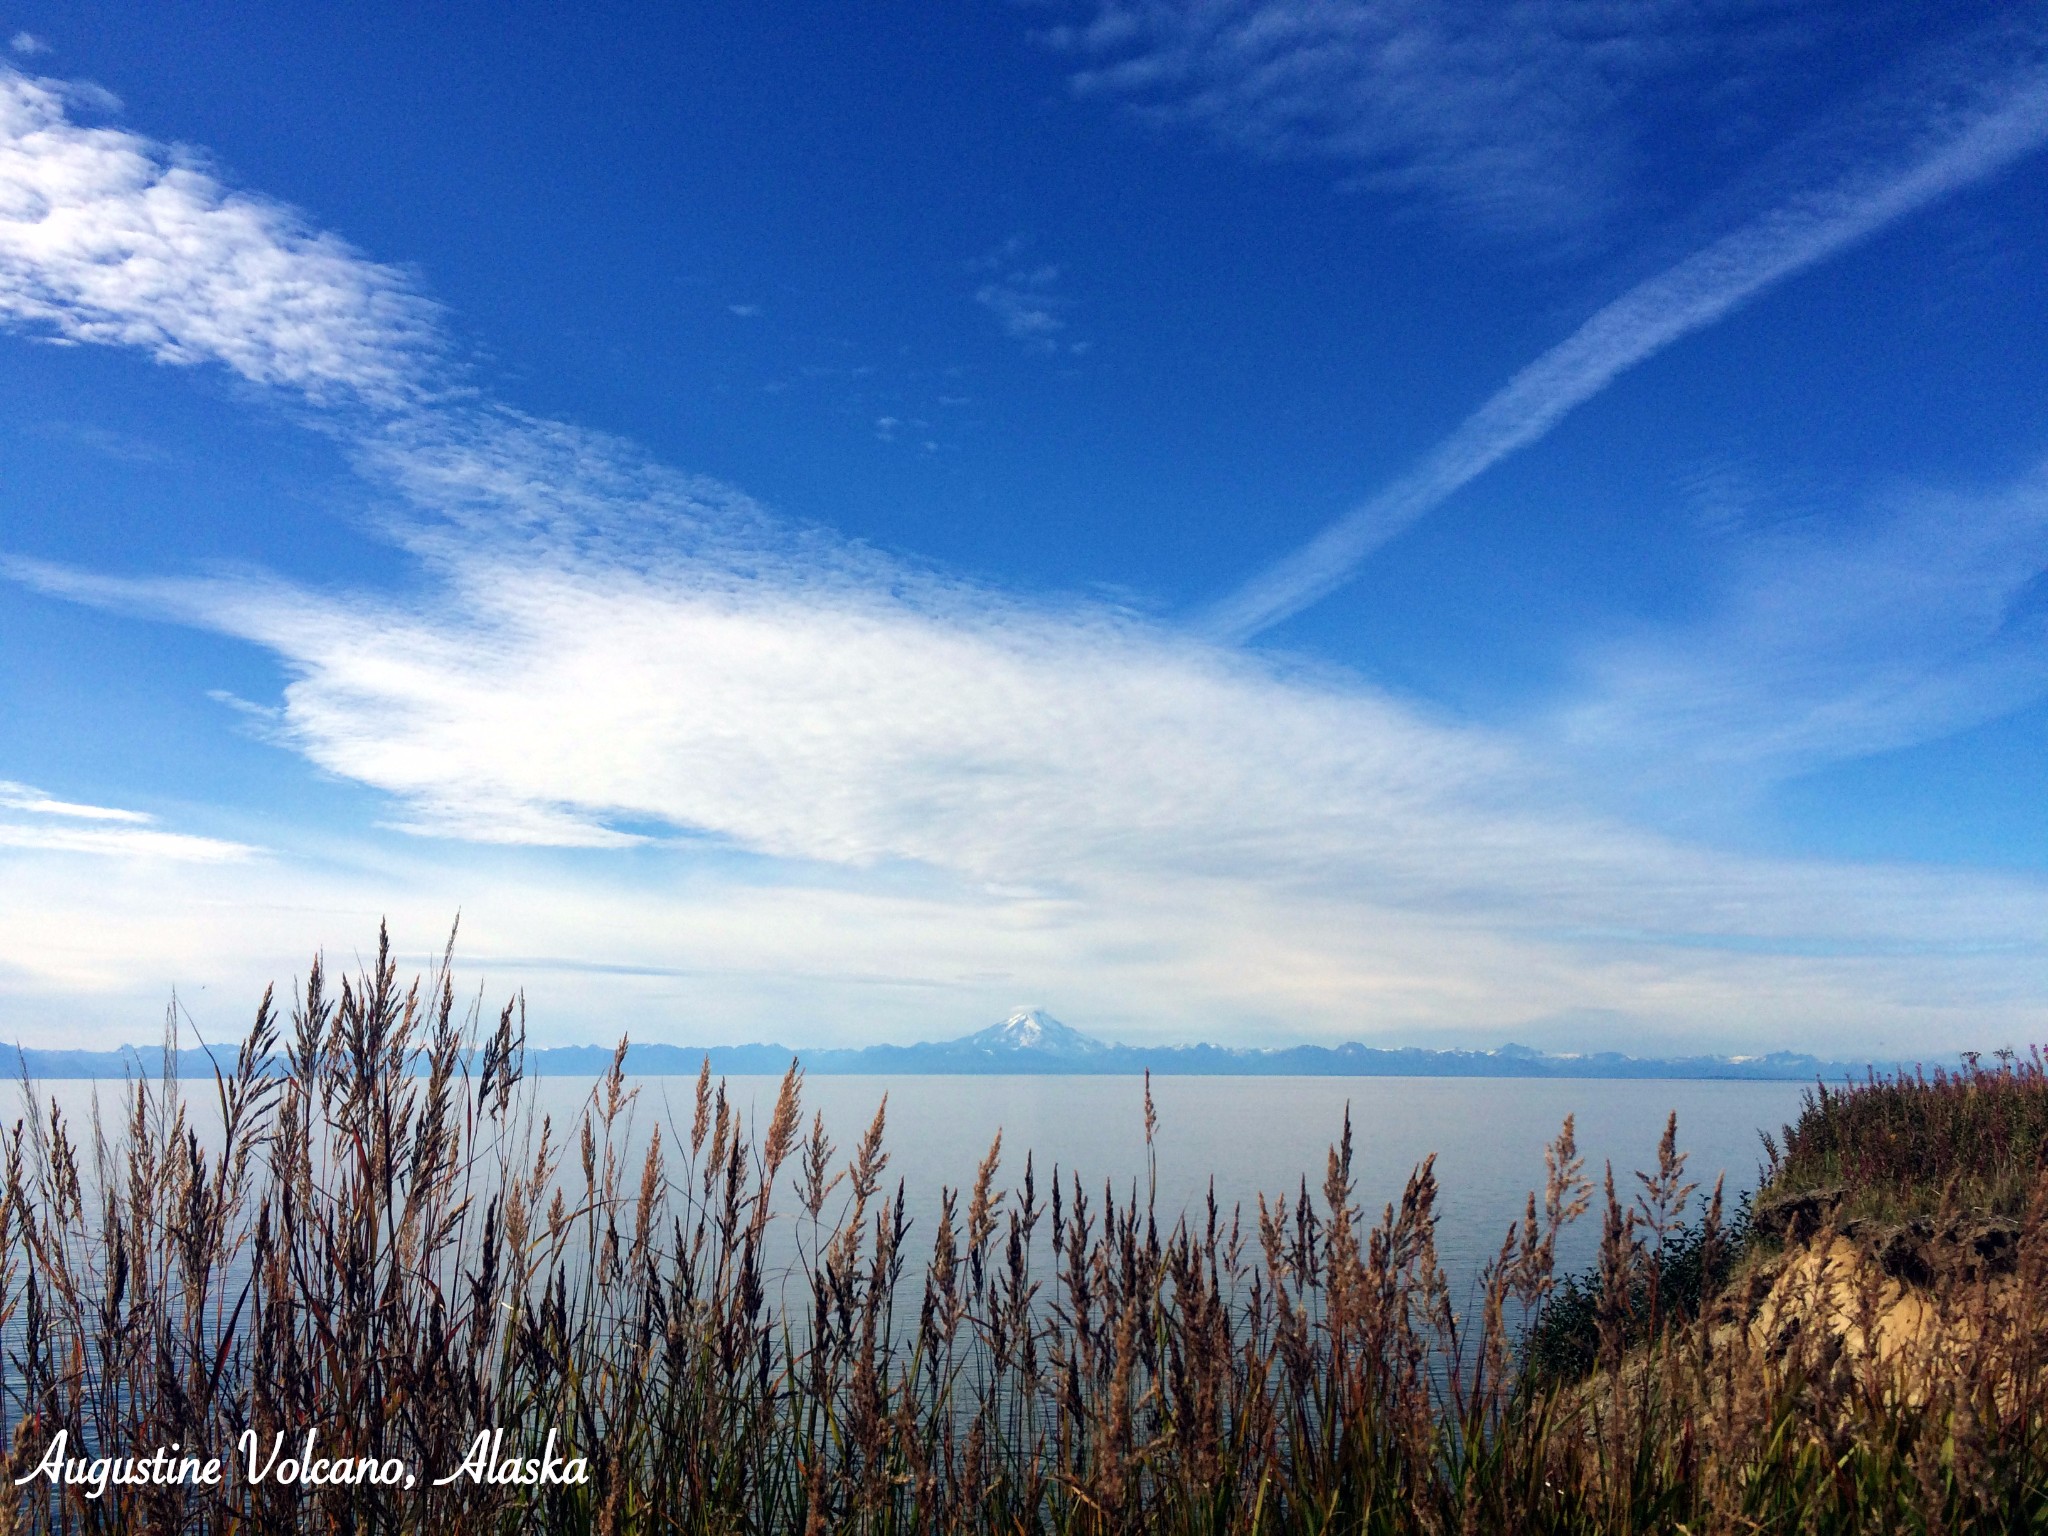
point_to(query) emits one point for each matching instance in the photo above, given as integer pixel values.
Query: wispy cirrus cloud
(107, 237)
(1997, 123)
(1525, 115)
(1827, 642)
(23, 797)
(812, 763)
(125, 843)
(611, 656)
(928, 784)
(31, 819)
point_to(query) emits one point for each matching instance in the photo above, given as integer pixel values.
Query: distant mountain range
(1033, 1042)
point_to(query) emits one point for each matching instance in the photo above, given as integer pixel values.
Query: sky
(1259, 521)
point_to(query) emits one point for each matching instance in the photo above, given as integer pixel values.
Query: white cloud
(109, 832)
(2006, 121)
(811, 710)
(1026, 301)
(1828, 643)
(22, 797)
(107, 237)
(864, 780)
(1025, 306)
(1524, 114)
(124, 843)
(27, 44)
(677, 946)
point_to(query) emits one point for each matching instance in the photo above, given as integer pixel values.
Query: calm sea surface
(1264, 1135)
(1250, 1135)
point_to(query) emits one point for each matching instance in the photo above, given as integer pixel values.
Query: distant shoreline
(958, 1058)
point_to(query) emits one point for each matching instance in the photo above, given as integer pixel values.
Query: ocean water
(1250, 1136)
(1262, 1135)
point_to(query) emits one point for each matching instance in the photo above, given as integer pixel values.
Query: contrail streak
(1642, 322)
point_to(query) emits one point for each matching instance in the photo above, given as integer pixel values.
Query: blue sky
(1256, 521)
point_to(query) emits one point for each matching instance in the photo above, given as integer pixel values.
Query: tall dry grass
(378, 1241)
(1895, 1145)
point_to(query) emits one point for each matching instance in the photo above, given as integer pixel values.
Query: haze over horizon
(1247, 522)
(1031, 1043)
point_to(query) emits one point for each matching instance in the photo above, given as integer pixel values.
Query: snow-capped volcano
(1033, 1029)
